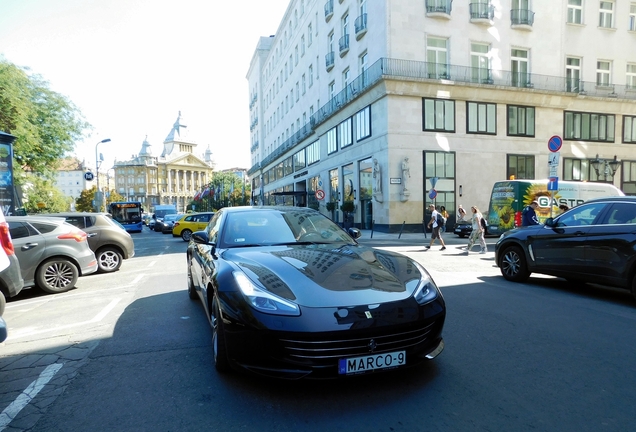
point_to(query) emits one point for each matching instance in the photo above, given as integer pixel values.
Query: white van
(510, 197)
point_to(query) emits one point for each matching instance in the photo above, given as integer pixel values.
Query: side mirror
(550, 222)
(354, 232)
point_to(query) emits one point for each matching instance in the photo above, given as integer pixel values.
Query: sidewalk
(374, 238)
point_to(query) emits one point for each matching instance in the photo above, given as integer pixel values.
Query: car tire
(186, 235)
(56, 275)
(192, 293)
(108, 259)
(513, 264)
(219, 350)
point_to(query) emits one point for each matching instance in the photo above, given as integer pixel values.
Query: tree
(41, 196)
(45, 123)
(85, 201)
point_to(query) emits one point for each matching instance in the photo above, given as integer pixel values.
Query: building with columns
(382, 102)
(172, 177)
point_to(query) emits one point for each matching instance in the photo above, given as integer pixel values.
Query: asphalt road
(130, 352)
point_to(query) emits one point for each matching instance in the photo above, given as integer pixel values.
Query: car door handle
(29, 246)
(92, 235)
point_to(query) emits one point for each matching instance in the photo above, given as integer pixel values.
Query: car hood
(329, 275)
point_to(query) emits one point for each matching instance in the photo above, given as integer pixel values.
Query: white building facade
(379, 102)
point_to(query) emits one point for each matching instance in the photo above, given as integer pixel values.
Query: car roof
(613, 198)
(78, 214)
(50, 219)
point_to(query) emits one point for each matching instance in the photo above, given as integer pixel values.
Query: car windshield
(276, 227)
(171, 217)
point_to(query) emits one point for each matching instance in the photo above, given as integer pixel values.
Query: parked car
(11, 281)
(158, 225)
(52, 253)
(106, 237)
(464, 228)
(189, 223)
(288, 293)
(592, 242)
(168, 223)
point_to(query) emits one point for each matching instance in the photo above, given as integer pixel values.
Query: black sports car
(290, 294)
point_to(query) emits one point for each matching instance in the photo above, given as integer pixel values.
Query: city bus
(128, 214)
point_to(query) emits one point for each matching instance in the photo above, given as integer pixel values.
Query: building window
(302, 45)
(313, 152)
(573, 74)
(304, 84)
(437, 57)
(576, 169)
(480, 63)
(575, 12)
(310, 36)
(438, 115)
(589, 126)
(632, 17)
(332, 89)
(345, 133)
(603, 73)
(606, 14)
(630, 79)
(442, 166)
(628, 183)
(296, 55)
(520, 121)
(363, 123)
(481, 118)
(520, 68)
(288, 166)
(520, 167)
(629, 129)
(311, 75)
(333, 185)
(332, 141)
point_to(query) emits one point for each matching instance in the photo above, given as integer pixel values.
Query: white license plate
(371, 362)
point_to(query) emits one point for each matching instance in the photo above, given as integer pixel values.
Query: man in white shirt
(436, 228)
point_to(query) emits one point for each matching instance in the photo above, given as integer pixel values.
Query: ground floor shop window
(439, 183)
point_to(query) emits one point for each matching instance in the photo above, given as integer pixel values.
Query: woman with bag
(477, 233)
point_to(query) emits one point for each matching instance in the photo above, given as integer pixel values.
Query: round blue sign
(88, 176)
(555, 143)
(432, 194)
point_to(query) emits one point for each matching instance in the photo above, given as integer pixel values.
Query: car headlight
(426, 290)
(262, 300)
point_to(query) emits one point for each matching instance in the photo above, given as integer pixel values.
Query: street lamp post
(98, 195)
(605, 167)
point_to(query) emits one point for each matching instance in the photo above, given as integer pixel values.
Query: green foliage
(85, 201)
(114, 196)
(45, 123)
(347, 207)
(331, 205)
(41, 196)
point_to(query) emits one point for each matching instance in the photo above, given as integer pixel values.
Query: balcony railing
(481, 11)
(523, 17)
(328, 10)
(343, 43)
(439, 6)
(360, 26)
(394, 69)
(329, 60)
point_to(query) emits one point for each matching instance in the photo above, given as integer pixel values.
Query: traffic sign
(320, 194)
(553, 184)
(88, 176)
(432, 194)
(553, 163)
(554, 143)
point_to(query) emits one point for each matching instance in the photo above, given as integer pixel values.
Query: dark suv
(592, 242)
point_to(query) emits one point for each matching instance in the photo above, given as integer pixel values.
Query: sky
(131, 66)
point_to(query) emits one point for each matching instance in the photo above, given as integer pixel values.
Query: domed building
(173, 177)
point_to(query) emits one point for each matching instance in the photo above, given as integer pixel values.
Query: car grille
(324, 351)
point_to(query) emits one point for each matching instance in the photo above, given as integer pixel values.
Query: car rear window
(44, 228)
(77, 221)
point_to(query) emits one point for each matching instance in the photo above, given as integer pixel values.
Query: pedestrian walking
(461, 213)
(445, 215)
(477, 233)
(529, 214)
(435, 224)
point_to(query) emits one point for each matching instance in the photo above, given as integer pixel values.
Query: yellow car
(189, 223)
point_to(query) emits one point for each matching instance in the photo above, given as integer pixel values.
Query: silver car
(106, 237)
(52, 253)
